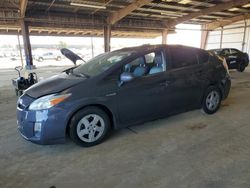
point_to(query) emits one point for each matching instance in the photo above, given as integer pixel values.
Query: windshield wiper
(69, 70)
(79, 74)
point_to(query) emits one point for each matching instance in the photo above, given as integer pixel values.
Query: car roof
(220, 49)
(148, 47)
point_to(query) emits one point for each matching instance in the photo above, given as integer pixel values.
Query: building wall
(232, 37)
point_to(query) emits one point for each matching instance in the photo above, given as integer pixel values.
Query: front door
(147, 95)
(144, 98)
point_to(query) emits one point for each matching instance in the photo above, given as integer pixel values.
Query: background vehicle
(235, 59)
(119, 89)
(46, 56)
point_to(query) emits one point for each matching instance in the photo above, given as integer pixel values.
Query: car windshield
(101, 63)
(217, 52)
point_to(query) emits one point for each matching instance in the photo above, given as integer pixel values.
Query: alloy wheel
(212, 100)
(90, 128)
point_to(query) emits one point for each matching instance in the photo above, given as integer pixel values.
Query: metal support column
(221, 37)
(92, 47)
(164, 36)
(20, 49)
(26, 45)
(107, 36)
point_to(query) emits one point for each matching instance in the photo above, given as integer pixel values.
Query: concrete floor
(187, 150)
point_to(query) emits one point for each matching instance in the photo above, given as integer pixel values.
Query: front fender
(99, 102)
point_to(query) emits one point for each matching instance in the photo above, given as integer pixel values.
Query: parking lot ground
(187, 150)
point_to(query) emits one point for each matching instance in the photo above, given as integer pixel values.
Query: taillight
(225, 65)
(224, 62)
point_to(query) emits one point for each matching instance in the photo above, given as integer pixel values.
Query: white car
(47, 56)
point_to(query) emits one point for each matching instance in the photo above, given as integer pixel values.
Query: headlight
(47, 101)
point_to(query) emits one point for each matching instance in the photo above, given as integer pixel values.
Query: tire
(241, 67)
(89, 127)
(58, 58)
(211, 105)
(40, 59)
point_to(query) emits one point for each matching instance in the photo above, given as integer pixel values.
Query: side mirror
(126, 77)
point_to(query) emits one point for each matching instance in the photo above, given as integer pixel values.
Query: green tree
(62, 44)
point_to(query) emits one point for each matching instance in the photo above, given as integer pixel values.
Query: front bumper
(52, 123)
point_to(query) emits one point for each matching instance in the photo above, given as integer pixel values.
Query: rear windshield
(217, 51)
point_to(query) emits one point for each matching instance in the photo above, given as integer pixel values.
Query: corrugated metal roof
(158, 10)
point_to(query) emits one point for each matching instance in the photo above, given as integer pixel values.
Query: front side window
(149, 58)
(101, 63)
(147, 64)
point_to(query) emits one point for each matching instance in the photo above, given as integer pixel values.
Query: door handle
(110, 94)
(166, 83)
(199, 71)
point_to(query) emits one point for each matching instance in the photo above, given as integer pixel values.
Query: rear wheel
(212, 100)
(89, 126)
(241, 67)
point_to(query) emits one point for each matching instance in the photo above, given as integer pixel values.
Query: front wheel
(212, 100)
(89, 126)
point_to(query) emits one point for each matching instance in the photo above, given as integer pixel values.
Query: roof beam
(206, 11)
(118, 15)
(23, 6)
(224, 22)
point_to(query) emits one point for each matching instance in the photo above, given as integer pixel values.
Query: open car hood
(71, 55)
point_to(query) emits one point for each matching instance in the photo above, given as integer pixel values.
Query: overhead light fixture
(233, 9)
(88, 5)
(185, 2)
(246, 5)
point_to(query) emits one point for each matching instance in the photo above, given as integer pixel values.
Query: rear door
(188, 76)
(234, 58)
(231, 59)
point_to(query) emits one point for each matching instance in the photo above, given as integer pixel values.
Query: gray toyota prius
(118, 89)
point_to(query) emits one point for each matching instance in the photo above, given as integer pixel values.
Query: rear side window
(182, 57)
(202, 57)
(225, 52)
(234, 52)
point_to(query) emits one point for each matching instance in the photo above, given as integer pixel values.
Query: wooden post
(204, 36)
(164, 36)
(221, 37)
(244, 36)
